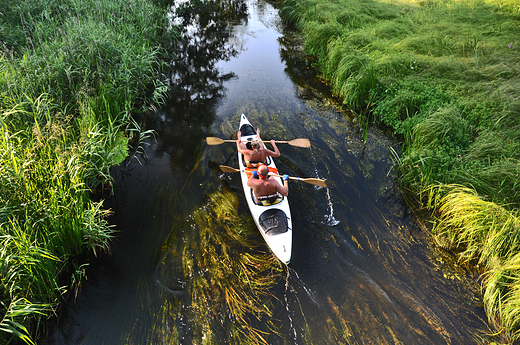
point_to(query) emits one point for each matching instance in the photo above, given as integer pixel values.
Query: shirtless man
(259, 153)
(263, 185)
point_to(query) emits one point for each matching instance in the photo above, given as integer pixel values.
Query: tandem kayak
(273, 221)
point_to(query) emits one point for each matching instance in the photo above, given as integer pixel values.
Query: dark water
(362, 271)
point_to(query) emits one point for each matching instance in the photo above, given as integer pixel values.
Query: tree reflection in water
(196, 83)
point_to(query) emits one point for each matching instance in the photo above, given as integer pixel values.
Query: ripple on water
(169, 275)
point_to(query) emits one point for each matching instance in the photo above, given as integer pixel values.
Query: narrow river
(362, 271)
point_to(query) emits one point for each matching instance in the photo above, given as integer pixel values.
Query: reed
(72, 73)
(47, 219)
(91, 57)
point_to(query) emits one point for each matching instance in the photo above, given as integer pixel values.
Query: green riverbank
(73, 75)
(443, 76)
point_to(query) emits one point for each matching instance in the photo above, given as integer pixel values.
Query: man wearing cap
(264, 186)
(258, 153)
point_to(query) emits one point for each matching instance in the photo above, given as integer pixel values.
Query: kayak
(273, 221)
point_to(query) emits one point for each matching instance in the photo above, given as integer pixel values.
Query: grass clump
(47, 217)
(488, 235)
(442, 76)
(72, 74)
(411, 62)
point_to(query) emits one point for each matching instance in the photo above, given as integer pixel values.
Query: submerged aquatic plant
(228, 276)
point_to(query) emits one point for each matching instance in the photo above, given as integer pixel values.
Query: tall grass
(443, 77)
(487, 235)
(72, 73)
(47, 218)
(21, 265)
(101, 53)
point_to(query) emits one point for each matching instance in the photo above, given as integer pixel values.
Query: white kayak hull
(273, 221)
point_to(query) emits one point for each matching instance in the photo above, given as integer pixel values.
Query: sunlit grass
(47, 217)
(488, 235)
(412, 62)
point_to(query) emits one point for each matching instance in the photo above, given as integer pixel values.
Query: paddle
(300, 142)
(314, 181)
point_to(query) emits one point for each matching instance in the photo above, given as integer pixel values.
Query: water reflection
(299, 68)
(196, 83)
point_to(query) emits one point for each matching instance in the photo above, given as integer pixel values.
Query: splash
(330, 220)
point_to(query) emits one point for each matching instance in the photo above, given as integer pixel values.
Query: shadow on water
(188, 265)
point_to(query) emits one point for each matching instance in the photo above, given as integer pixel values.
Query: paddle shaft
(300, 142)
(314, 181)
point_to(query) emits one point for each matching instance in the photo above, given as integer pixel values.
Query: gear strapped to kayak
(267, 200)
(273, 222)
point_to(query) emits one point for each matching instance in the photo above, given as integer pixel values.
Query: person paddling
(258, 153)
(266, 188)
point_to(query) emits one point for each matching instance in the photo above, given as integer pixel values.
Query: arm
(239, 143)
(250, 182)
(285, 189)
(276, 152)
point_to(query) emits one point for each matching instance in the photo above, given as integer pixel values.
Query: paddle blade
(300, 142)
(310, 180)
(227, 169)
(214, 141)
(315, 181)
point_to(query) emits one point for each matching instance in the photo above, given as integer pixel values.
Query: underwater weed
(230, 299)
